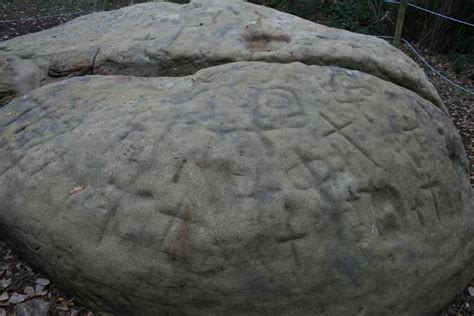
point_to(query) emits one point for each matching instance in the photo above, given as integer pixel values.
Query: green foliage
(378, 18)
(365, 16)
(276, 3)
(357, 16)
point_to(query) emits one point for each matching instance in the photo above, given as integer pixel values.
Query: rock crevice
(202, 34)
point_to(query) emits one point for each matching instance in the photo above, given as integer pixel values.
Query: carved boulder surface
(17, 77)
(246, 188)
(166, 39)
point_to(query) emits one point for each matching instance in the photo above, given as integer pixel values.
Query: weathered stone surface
(246, 188)
(166, 39)
(17, 77)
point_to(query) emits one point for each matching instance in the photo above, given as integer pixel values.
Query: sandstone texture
(246, 188)
(167, 39)
(17, 77)
(336, 185)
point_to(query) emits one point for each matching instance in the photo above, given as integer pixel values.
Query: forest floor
(24, 289)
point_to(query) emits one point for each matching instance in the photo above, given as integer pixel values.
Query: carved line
(339, 132)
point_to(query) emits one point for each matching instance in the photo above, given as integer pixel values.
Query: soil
(17, 278)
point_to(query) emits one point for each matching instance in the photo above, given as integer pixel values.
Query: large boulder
(167, 39)
(247, 188)
(319, 174)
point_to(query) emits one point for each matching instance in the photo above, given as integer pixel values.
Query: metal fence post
(400, 19)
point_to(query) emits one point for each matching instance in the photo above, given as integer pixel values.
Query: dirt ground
(22, 288)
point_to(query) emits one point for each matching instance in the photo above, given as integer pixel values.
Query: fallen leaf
(39, 290)
(16, 298)
(76, 190)
(29, 290)
(42, 281)
(5, 283)
(41, 293)
(62, 308)
(471, 290)
(4, 297)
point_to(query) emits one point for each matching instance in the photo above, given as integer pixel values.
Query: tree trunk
(445, 32)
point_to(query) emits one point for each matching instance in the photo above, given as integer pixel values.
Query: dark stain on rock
(264, 42)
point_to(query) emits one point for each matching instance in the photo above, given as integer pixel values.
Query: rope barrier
(434, 70)
(432, 12)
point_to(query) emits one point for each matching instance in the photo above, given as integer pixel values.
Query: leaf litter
(20, 284)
